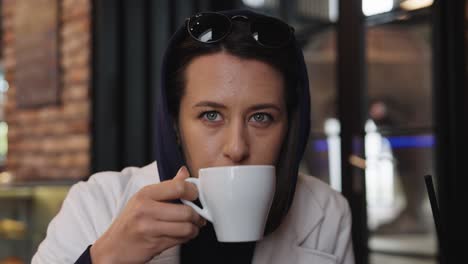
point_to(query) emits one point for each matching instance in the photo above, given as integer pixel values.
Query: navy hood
(169, 156)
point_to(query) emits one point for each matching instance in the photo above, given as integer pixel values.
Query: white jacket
(317, 229)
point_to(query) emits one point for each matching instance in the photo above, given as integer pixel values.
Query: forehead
(225, 77)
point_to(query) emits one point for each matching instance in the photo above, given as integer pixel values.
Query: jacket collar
(305, 214)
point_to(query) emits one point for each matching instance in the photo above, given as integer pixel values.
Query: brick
(76, 92)
(9, 51)
(84, 12)
(49, 113)
(9, 62)
(72, 160)
(13, 136)
(59, 127)
(76, 75)
(8, 7)
(51, 145)
(34, 161)
(75, 44)
(24, 146)
(65, 127)
(24, 117)
(75, 3)
(25, 173)
(74, 28)
(53, 174)
(66, 144)
(8, 37)
(9, 107)
(10, 77)
(77, 109)
(8, 23)
(79, 58)
(77, 143)
(78, 173)
(12, 163)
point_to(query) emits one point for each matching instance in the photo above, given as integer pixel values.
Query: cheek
(266, 148)
(199, 146)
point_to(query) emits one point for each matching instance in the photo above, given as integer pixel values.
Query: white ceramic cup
(236, 199)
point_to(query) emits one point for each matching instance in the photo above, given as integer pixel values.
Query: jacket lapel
(305, 213)
(304, 216)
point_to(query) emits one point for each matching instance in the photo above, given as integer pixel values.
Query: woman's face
(232, 112)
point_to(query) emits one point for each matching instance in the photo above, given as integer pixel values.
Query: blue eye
(211, 116)
(261, 118)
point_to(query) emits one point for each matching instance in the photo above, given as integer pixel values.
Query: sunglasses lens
(271, 32)
(209, 27)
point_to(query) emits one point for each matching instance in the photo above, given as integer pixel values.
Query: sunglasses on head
(211, 27)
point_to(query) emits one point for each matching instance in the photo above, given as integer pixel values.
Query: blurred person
(400, 104)
(235, 92)
(412, 163)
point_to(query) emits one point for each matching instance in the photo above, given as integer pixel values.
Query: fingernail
(182, 169)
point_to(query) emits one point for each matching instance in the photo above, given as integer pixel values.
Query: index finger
(174, 189)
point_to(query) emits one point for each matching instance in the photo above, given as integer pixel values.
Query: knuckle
(139, 214)
(179, 187)
(188, 213)
(144, 190)
(190, 230)
(195, 231)
(158, 210)
(141, 228)
(141, 195)
(140, 209)
(137, 198)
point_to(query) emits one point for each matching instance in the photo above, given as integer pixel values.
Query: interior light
(374, 7)
(416, 4)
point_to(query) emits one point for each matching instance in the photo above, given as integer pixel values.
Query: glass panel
(322, 157)
(399, 139)
(316, 30)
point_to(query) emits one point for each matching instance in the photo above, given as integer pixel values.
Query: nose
(236, 147)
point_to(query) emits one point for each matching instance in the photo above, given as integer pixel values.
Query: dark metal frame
(351, 75)
(451, 126)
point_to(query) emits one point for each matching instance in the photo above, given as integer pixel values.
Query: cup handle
(203, 212)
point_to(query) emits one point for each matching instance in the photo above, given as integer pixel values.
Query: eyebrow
(210, 104)
(252, 108)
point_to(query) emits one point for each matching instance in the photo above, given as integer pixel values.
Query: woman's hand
(149, 224)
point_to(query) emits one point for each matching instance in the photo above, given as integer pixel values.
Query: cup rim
(236, 167)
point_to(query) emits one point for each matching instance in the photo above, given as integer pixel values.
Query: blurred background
(388, 89)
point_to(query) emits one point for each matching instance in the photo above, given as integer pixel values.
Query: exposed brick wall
(53, 142)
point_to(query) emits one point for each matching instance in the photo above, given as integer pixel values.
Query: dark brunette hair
(241, 44)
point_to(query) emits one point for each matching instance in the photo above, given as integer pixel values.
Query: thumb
(191, 192)
(182, 174)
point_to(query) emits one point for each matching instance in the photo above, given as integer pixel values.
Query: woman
(235, 93)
